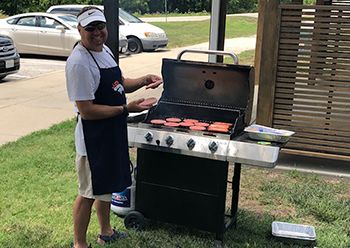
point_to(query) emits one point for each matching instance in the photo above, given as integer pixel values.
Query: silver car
(43, 33)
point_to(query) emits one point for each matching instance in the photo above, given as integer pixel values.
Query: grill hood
(221, 85)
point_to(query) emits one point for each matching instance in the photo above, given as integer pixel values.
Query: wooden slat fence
(312, 88)
(341, 2)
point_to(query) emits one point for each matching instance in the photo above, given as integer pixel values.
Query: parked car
(73, 21)
(141, 36)
(9, 58)
(44, 33)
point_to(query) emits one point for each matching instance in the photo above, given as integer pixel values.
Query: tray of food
(297, 233)
(259, 132)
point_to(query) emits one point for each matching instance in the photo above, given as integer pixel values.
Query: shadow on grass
(251, 231)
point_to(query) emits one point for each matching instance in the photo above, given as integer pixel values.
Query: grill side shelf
(252, 154)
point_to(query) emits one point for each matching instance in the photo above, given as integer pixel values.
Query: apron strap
(95, 59)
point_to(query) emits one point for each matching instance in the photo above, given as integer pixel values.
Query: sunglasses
(92, 28)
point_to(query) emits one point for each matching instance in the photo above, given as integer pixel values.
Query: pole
(111, 11)
(217, 29)
(166, 10)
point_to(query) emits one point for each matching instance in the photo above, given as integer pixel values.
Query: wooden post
(266, 59)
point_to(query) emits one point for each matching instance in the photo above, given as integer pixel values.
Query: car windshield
(70, 19)
(128, 17)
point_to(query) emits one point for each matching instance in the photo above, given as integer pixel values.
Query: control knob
(169, 140)
(213, 146)
(191, 143)
(149, 137)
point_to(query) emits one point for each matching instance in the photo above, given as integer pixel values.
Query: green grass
(188, 33)
(244, 58)
(38, 186)
(204, 13)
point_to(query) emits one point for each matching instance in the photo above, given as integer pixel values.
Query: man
(96, 85)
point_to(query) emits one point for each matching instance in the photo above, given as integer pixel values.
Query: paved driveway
(32, 67)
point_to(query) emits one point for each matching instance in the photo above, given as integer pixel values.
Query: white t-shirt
(83, 79)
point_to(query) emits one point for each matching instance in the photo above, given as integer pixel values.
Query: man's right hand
(134, 106)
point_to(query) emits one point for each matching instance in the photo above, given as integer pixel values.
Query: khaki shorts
(84, 178)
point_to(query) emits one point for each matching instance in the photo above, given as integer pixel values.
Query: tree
(12, 7)
(156, 6)
(240, 6)
(135, 6)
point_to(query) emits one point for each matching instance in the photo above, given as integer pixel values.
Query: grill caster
(218, 244)
(134, 220)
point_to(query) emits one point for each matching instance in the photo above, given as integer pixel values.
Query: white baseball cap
(89, 16)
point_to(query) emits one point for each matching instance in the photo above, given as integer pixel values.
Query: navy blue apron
(106, 140)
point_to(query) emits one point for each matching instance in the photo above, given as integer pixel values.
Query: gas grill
(182, 174)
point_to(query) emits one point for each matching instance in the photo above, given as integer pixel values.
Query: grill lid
(208, 84)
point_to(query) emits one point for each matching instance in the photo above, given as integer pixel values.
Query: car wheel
(134, 45)
(2, 77)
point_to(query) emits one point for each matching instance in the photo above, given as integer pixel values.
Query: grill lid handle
(215, 52)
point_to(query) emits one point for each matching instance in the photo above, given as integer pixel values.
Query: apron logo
(116, 86)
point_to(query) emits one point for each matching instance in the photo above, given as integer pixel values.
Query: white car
(141, 36)
(44, 33)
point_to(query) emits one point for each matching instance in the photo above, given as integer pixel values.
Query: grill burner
(194, 125)
(202, 114)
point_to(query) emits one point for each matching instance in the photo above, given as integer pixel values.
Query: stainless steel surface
(214, 52)
(252, 153)
(200, 145)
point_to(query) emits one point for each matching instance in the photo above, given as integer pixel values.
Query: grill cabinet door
(181, 189)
